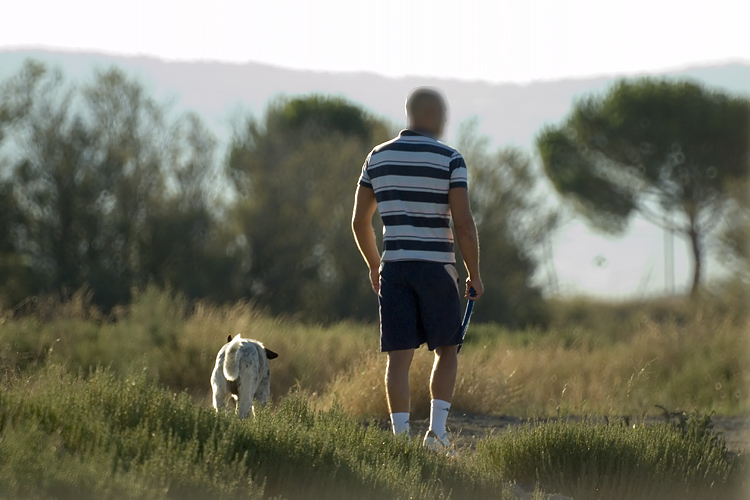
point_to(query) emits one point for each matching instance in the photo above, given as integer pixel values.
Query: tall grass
(132, 428)
(596, 358)
(591, 461)
(106, 437)
(175, 341)
(63, 436)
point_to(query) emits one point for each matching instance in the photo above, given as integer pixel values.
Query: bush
(591, 461)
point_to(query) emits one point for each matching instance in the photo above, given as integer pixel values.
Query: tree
(15, 271)
(107, 189)
(667, 151)
(295, 173)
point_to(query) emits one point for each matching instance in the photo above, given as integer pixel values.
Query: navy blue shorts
(419, 302)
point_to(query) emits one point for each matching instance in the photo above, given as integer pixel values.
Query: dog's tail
(232, 359)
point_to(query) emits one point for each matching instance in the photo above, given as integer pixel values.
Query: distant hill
(509, 113)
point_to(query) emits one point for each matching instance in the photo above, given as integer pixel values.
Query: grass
(700, 365)
(175, 341)
(590, 461)
(594, 359)
(116, 407)
(108, 437)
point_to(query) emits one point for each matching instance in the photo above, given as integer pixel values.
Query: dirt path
(468, 428)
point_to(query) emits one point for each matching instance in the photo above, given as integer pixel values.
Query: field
(595, 359)
(117, 406)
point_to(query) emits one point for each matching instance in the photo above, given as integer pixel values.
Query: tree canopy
(669, 151)
(295, 173)
(104, 189)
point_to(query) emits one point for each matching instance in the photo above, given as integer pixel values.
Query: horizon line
(698, 65)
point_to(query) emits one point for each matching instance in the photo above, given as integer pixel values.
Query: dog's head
(269, 353)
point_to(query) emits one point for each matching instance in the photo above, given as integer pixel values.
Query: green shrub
(591, 461)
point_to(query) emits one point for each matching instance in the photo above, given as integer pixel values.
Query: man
(418, 183)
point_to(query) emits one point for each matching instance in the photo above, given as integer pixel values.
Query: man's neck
(421, 131)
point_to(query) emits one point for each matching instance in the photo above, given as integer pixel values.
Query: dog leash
(467, 317)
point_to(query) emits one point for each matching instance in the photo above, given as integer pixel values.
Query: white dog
(242, 373)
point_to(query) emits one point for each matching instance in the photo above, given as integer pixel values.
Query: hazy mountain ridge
(509, 112)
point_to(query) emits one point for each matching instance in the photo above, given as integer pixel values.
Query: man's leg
(442, 383)
(397, 388)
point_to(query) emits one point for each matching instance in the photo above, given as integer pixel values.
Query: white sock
(400, 422)
(438, 416)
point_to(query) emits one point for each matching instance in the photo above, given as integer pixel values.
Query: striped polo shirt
(411, 176)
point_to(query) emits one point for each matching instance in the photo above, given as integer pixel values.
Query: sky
(495, 41)
(498, 41)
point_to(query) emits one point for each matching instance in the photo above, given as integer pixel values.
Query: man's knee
(400, 361)
(447, 352)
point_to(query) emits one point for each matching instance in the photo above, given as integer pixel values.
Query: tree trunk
(697, 258)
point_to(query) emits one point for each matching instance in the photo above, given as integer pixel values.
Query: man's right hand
(478, 287)
(375, 279)
(468, 241)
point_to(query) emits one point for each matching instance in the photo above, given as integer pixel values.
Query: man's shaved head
(420, 95)
(426, 110)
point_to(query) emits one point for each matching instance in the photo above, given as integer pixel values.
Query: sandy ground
(467, 428)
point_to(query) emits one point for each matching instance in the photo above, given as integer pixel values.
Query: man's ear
(270, 354)
(229, 338)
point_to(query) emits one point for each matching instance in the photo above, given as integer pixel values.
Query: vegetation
(596, 358)
(590, 461)
(62, 436)
(295, 173)
(124, 438)
(172, 246)
(103, 186)
(673, 152)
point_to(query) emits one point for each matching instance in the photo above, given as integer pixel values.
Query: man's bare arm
(466, 235)
(364, 208)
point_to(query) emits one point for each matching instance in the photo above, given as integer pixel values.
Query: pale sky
(516, 41)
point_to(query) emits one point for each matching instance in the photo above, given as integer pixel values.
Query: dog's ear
(270, 354)
(229, 338)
